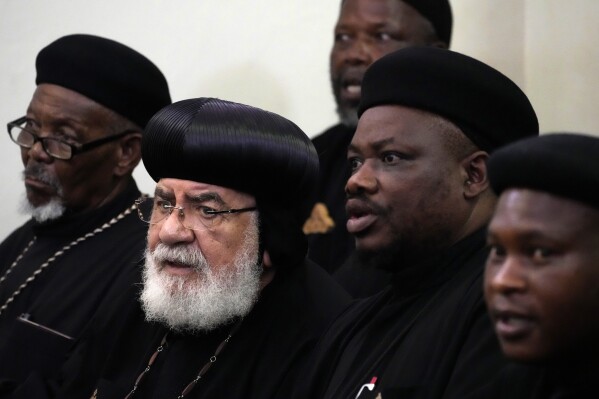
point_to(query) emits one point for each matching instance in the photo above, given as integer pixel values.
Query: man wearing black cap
(230, 307)
(365, 31)
(80, 141)
(418, 203)
(542, 275)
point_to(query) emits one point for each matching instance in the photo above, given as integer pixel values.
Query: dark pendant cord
(203, 370)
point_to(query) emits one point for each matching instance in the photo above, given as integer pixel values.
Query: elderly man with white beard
(230, 307)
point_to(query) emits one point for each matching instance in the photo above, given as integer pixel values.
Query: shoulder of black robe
(262, 360)
(69, 292)
(431, 340)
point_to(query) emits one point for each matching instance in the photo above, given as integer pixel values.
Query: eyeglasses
(196, 217)
(56, 148)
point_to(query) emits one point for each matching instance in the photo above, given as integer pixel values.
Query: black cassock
(65, 295)
(566, 380)
(426, 336)
(261, 360)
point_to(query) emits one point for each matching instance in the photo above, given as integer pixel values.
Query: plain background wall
(274, 54)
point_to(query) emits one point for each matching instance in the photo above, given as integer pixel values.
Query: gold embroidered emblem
(319, 221)
(95, 394)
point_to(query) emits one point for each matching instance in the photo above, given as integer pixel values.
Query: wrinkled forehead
(191, 191)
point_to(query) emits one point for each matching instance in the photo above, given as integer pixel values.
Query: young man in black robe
(230, 307)
(418, 204)
(542, 275)
(80, 141)
(365, 31)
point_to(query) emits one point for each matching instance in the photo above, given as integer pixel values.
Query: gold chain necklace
(57, 254)
(192, 384)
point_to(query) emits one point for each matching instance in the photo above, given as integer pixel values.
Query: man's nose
(362, 180)
(508, 277)
(172, 230)
(38, 152)
(359, 52)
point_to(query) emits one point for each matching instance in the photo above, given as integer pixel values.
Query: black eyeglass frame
(75, 148)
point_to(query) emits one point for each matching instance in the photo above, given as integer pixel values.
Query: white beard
(51, 210)
(207, 300)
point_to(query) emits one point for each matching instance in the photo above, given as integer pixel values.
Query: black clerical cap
(488, 107)
(563, 164)
(438, 12)
(107, 72)
(244, 148)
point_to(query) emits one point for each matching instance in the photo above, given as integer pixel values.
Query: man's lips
(173, 267)
(350, 83)
(351, 89)
(512, 324)
(360, 216)
(38, 185)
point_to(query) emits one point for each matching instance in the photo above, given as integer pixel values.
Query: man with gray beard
(80, 140)
(230, 306)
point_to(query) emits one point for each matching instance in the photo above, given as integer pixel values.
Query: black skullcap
(438, 12)
(107, 72)
(563, 164)
(243, 148)
(488, 107)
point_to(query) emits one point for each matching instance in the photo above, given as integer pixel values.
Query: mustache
(365, 204)
(181, 254)
(38, 172)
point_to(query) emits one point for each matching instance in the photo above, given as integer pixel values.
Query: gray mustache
(38, 172)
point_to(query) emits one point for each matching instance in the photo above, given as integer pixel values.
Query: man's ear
(474, 168)
(268, 272)
(129, 154)
(266, 262)
(439, 44)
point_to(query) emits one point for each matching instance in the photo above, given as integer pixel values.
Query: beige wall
(562, 63)
(549, 47)
(274, 54)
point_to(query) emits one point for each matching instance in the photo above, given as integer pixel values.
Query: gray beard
(51, 210)
(208, 300)
(348, 116)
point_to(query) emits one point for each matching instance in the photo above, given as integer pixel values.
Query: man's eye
(497, 252)
(354, 163)
(162, 205)
(541, 255)
(29, 124)
(205, 212)
(383, 36)
(341, 37)
(391, 158)
(69, 138)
